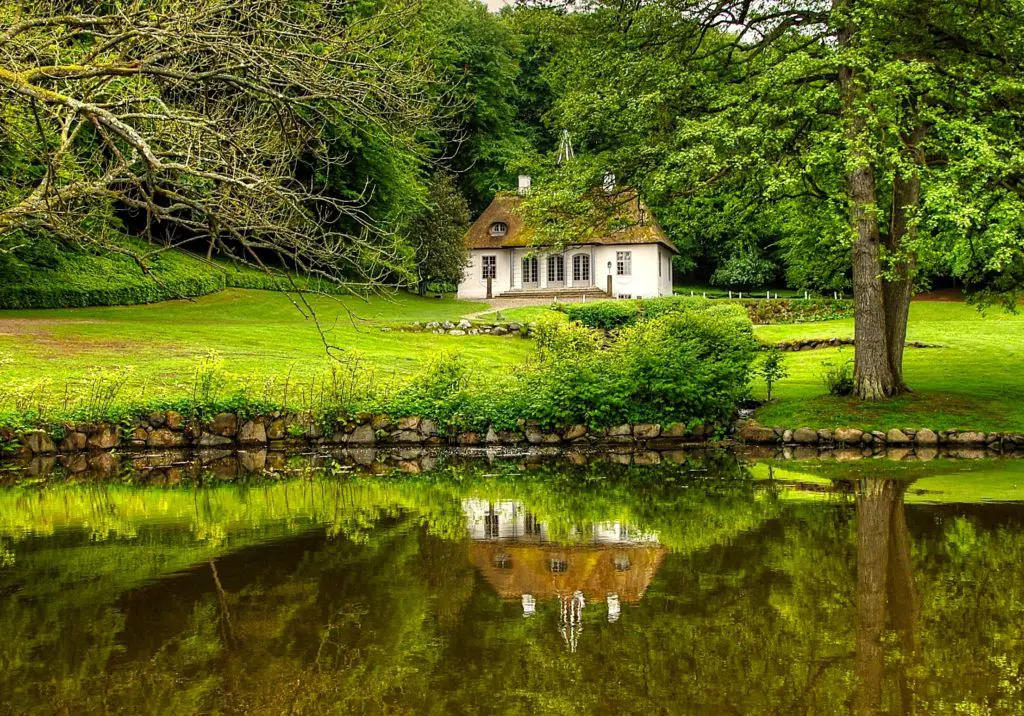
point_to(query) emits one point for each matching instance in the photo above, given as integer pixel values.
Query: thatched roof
(638, 225)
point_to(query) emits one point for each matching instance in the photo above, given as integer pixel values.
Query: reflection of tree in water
(761, 605)
(885, 589)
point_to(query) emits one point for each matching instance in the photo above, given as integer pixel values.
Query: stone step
(554, 293)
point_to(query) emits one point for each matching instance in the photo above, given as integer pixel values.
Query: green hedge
(683, 366)
(608, 315)
(49, 275)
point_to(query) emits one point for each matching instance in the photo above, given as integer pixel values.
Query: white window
(490, 266)
(556, 268)
(580, 267)
(530, 273)
(624, 263)
(499, 228)
(625, 295)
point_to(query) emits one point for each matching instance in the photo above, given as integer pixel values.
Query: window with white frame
(624, 263)
(556, 268)
(530, 272)
(498, 228)
(490, 266)
(580, 267)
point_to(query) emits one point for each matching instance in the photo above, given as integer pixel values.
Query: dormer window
(499, 228)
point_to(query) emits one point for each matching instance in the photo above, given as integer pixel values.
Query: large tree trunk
(899, 288)
(872, 368)
(881, 306)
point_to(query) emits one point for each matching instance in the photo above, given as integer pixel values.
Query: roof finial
(565, 152)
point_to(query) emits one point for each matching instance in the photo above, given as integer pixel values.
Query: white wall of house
(665, 274)
(474, 285)
(649, 270)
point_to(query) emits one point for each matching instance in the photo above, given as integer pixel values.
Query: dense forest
(826, 145)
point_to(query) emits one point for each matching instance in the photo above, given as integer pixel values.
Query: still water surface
(702, 586)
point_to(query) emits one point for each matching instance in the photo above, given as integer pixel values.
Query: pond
(704, 583)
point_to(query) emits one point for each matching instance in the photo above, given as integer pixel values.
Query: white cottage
(633, 260)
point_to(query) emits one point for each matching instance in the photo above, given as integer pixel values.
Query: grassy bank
(257, 334)
(974, 381)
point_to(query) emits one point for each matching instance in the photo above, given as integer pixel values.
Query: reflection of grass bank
(939, 481)
(687, 513)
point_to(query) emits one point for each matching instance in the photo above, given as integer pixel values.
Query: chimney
(524, 185)
(609, 183)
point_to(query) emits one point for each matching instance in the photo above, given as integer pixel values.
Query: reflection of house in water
(605, 563)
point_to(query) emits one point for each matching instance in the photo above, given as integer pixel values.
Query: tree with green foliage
(477, 62)
(772, 368)
(439, 235)
(745, 269)
(889, 131)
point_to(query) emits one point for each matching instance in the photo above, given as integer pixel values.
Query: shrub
(686, 366)
(610, 315)
(606, 315)
(797, 310)
(745, 269)
(445, 393)
(837, 376)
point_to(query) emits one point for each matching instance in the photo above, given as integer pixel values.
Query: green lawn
(525, 314)
(976, 380)
(256, 333)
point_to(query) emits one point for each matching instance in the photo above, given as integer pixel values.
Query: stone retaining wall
(170, 430)
(810, 344)
(751, 431)
(227, 431)
(468, 328)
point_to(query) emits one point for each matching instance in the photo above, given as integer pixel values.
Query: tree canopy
(865, 141)
(867, 145)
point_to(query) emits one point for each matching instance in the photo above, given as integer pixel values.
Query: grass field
(256, 333)
(975, 380)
